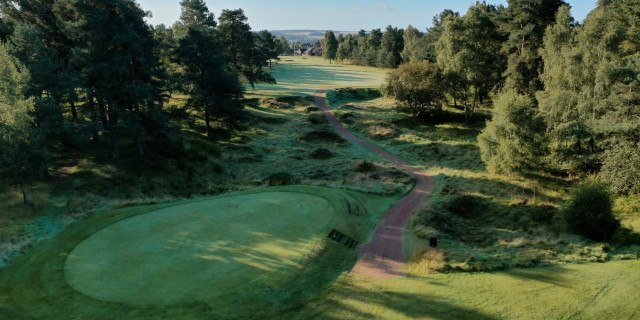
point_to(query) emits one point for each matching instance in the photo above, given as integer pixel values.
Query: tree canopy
(330, 46)
(417, 86)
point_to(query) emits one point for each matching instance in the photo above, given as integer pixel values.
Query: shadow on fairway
(304, 78)
(553, 275)
(394, 304)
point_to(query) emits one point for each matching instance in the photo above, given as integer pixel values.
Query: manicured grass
(305, 75)
(199, 251)
(195, 259)
(571, 291)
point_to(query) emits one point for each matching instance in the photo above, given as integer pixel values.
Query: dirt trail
(383, 256)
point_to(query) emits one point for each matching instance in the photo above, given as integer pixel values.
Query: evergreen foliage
(525, 22)
(239, 42)
(213, 85)
(513, 141)
(330, 46)
(468, 53)
(267, 46)
(115, 51)
(22, 152)
(621, 168)
(374, 49)
(589, 211)
(590, 101)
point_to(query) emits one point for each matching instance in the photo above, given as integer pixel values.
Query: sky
(337, 15)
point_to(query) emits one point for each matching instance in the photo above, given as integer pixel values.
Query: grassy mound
(193, 259)
(201, 250)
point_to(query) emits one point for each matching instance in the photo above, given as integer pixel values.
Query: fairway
(199, 250)
(300, 76)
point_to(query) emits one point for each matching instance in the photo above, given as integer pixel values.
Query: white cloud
(384, 6)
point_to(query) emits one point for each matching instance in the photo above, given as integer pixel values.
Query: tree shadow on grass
(304, 79)
(354, 301)
(460, 156)
(55, 298)
(553, 275)
(443, 117)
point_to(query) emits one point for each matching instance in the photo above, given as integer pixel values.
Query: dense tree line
(564, 94)
(71, 67)
(582, 96)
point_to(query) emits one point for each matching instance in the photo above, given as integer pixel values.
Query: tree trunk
(468, 111)
(74, 112)
(136, 131)
(25, 196)
(207, 121)
(94, 129)
(103, 113)
(116, 147)
(138, 141)
(136, 134)
(113, 123)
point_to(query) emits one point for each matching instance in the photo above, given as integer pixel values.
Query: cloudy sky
(342, 15)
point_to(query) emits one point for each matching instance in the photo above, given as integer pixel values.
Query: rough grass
(196, 167)
(517, 226)
(483, 221)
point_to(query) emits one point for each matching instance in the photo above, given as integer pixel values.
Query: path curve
(383, 256)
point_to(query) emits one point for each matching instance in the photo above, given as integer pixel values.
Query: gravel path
(383, 256)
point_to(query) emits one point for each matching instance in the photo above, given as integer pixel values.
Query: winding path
(383, 256)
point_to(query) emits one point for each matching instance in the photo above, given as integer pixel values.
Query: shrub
(317, 119)
(465, 206)
(348, 117)
(281, 179)
(621, 174)
(321, 153)
(589, 212)
(543, 213)
(381, 132)
(349, 107)
(417, 86)
(442, 221)
(274, 104)
(365, 166)
(322, 135)
(311, 109)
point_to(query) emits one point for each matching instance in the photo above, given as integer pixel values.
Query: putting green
(198, 251)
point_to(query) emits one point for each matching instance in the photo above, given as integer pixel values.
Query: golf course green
(199, 250)
(249, 254)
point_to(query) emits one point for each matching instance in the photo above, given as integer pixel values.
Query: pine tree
(468, 53)
(212, 82)
(514, 140)
(116, 52)
(330, 46)
(525, 22)
(22, 149)
(239, 42)
(266, 46)
(392, 44)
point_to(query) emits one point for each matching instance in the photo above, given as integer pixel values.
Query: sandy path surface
(383, 256)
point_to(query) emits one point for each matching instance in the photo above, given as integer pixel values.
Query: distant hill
(305, 35)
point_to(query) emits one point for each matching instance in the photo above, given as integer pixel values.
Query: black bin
(433, 242)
